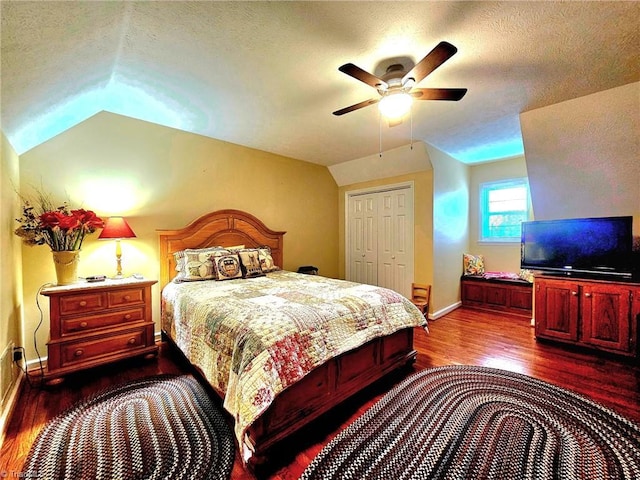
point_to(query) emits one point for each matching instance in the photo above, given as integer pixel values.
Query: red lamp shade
(116, 227)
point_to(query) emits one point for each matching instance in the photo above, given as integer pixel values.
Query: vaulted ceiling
(265, 74)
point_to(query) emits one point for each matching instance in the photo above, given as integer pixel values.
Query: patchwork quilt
(252, 338)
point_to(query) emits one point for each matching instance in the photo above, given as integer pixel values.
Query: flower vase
(66, 263)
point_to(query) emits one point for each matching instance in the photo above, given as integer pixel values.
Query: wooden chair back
(420, 296)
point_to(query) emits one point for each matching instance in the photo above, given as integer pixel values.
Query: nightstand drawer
(77, 352)
(92, 322)
(120, 298)
(85, 302)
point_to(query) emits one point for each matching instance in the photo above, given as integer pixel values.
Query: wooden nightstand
(96, 323)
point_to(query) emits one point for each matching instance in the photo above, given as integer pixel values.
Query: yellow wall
(10, 276)
(500, 257)
(161, 178)
(450, 228)
(423, 218)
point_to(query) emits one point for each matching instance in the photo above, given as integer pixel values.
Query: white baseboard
(442, 312)
(10, 405)
(34, 364)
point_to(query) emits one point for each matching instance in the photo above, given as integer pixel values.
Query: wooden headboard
(224, 228)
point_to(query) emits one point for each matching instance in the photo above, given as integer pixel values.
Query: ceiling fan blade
(453, 94)
(366, 103)
(362, 75)
(436, 57)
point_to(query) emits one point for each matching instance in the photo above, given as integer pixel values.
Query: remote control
(96, 278)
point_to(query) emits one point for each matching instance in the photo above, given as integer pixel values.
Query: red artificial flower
(51, 219)
(88, 219)
(69, 222)
(56, 226)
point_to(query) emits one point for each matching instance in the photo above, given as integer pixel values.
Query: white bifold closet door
(380, 239)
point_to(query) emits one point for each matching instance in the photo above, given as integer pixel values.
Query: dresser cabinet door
(557, 309)
(605, 316)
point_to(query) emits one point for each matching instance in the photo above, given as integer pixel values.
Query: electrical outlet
(17, 354)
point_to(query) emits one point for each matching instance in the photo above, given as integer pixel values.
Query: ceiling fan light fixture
(395, 105)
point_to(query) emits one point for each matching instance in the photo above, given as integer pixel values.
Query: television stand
(592, 313)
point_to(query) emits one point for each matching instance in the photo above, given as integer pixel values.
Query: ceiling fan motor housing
(395, 81)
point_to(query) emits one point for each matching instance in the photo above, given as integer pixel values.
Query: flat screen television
(579, 246)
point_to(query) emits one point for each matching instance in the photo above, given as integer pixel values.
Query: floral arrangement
(57, 226)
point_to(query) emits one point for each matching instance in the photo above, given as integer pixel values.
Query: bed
(289, 316)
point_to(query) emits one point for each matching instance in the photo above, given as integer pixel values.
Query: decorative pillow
(179, 259)
(266, 260)
(473, 264)
(250, 263)
(195, 264)
(526, 275)
(181, 255)
(227, 265)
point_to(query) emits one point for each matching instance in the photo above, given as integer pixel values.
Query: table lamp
(117, 228)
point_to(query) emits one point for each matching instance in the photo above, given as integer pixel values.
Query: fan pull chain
(411, 126)
(380, 133)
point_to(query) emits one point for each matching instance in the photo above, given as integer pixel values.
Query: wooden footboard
(325, 387)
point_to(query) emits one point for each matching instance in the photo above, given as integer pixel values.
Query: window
(504, 206)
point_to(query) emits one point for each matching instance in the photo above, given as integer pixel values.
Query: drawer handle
(83, 303)
(83, 324)
(79, 352)
(127, 316)
(132, 341)
(574, 293)
(588, 295)
(127, 297)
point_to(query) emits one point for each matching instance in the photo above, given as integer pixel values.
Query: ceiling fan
(396, 86)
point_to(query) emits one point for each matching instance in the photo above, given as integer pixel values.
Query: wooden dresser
(93, 324)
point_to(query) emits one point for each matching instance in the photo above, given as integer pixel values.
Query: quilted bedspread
(252, 338)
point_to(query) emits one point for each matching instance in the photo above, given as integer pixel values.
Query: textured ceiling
(265, 74)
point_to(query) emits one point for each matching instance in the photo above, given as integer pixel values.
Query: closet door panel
(395, 242)
(403, 242)
(363, 253)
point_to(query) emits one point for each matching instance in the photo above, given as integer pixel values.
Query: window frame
(483, 217)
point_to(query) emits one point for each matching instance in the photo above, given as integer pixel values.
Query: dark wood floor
(464, 336)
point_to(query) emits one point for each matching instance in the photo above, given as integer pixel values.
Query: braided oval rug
(465, 422)
(164, 427)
